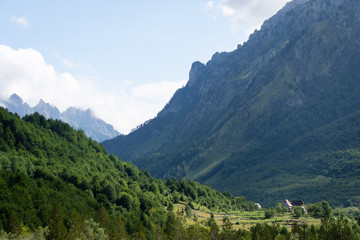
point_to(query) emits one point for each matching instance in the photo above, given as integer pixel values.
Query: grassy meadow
(243, 219)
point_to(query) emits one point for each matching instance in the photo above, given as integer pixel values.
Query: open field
(245, 219)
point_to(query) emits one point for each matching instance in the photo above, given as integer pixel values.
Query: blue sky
(123, 59)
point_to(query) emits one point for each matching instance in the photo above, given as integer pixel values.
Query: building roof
(297, 203)
(288, 203)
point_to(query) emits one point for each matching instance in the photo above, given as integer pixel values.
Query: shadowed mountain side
(279, 117)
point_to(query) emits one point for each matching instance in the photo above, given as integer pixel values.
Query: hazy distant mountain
(47, 110)
(93, 127)
(279, 117)
(16, 105)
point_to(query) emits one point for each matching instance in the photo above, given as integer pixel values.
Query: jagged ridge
(93, 127)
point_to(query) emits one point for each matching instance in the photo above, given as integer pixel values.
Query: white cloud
(209, 5)
(228, 11)
(68, 62)
(248, 15)
(21, 21)
(25, 72)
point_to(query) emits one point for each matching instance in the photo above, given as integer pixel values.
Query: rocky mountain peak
(86, 120)
(196, 72)
(77, 118)
(16, 104)
(15, 99)
(47, 110)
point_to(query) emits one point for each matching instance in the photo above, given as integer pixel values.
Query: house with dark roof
(296, 203)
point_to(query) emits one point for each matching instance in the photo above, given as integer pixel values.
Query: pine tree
(15, 225)
(57, 229)
(75, 225)
(102, 217)
(227, 229)
(118, 230)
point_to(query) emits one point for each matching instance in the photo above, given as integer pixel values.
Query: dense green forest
(53, 177)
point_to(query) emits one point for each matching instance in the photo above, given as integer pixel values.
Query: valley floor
(244, 220)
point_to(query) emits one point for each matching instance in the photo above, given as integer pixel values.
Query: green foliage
(264, 231)
(298, 212)
(206, 196)
(315, 210)
(188, 211)
(227, 229)
(280, 209)
(54, 181)
(92, 231)
(31, 201)
(57, 229)
(269, 213)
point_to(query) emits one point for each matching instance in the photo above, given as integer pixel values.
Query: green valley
(56, 183)
(277, 118)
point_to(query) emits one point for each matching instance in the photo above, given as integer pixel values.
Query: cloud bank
(26, 73)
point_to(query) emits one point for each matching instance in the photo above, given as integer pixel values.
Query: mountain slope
(276, 118)
(50, 171)
(93, 127)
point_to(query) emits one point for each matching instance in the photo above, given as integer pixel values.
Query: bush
(298, 212)
(269, 213)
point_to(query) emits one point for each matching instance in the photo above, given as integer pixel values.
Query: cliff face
(285, 100)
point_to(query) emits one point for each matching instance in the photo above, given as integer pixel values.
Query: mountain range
(278, 117)
(93, 127)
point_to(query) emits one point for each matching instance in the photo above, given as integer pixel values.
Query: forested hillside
(56, 182)
(279, 117)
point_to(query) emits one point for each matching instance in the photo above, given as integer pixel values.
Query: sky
(122, 59)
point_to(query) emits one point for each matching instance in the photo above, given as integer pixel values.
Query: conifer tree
(102, 217)
(75, 225)
(57, 229)
(227, 229)
(118, 230)
(15, 225)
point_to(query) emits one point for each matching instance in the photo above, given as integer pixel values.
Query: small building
(296, 203)
(287, 204)
(258, 205)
